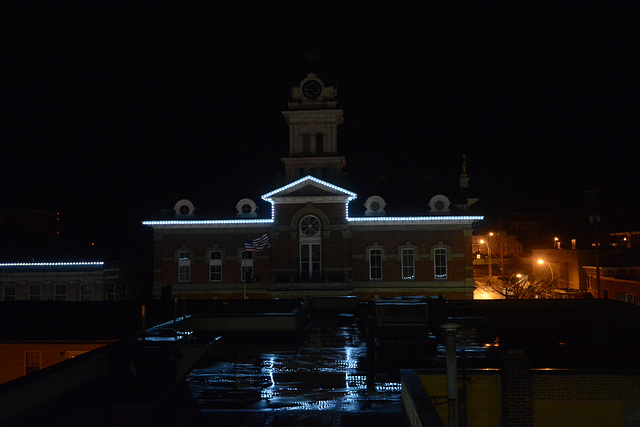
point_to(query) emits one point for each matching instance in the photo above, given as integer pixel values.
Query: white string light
(51, 264)
(350, 196)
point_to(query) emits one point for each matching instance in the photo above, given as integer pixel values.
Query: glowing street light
(488, 253)
(541, 261)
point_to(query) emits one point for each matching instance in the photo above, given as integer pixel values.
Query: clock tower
(313, 121)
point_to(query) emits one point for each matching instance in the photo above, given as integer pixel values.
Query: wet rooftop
(334, 371)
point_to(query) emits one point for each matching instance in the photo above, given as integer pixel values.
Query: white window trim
(307, 242)
(56, 294)
(447, 250)
(215, 262)
(369, 250)
(184, 266)
(413, 262)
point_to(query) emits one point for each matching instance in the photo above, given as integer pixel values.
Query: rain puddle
(327, 373)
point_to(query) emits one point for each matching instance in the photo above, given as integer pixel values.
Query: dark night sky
(113, 110)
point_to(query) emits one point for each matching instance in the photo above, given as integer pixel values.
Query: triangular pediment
(309, 187)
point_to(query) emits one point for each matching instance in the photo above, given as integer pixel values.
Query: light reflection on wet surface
(327, 373)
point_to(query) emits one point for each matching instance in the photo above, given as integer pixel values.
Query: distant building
(626, 239)
(39, 334)
(621, 283)
(316, 246)
(496, 248)
(63, 281)
(565, 266)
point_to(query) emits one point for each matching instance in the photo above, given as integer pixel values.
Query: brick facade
(72, 281)
(343, 258)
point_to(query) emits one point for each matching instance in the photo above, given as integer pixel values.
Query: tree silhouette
(520, 279)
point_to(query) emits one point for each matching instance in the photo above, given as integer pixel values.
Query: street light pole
(541, 261)
(488, 255)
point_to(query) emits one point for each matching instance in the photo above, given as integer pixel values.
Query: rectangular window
(440, 263)
(60, 292)
(246, 268)
(215, 266)
(319, 143)
(306, 143)
(9, 292)
(375, 264)
(310, 261)
(31, 362)
(184, 266)
(86, 293)
(408, 264)
(35, 292)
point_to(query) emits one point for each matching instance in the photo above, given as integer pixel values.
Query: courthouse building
(314, 246)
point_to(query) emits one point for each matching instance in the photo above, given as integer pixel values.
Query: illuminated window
(35, 292)
(215, 266)
(440, 263)
(60, 292)
(31, 361)
(246, 267)
(408, 264)
(375, 264)
(184, 266)
(9, 293)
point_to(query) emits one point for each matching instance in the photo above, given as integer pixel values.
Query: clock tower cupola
(313, 121)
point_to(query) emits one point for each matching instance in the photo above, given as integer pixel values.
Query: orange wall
(12, 355)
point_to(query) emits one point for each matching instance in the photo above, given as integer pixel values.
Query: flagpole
(251, 247)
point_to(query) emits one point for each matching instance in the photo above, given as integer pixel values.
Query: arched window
(215, 266)
(408, 264)
(440, 263)
(310, 241)
(375, 264)
(184, 266)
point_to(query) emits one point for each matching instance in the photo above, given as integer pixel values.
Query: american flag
(258, 244)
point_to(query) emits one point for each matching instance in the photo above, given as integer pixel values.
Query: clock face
(311, 89)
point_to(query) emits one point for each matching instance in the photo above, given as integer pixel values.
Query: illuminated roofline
(51, 264)
(350, 196)
(414, 218)
(208, 222)
(267, 197)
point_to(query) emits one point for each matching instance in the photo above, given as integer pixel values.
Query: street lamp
(541, 261)
(488, 253)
